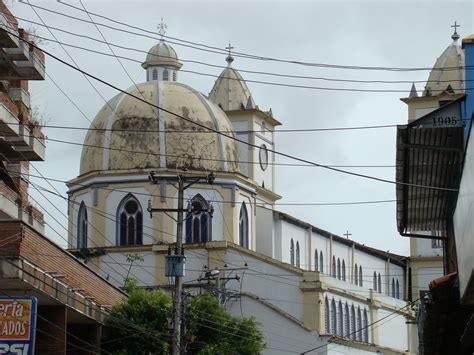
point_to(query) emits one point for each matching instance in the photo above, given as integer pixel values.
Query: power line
(283, 75)
(241, 54)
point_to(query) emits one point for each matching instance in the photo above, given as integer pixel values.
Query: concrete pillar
(51, 330)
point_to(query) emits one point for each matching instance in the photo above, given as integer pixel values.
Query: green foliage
(212, 330)
(140, 326)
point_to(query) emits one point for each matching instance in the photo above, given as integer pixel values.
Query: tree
(141, 326)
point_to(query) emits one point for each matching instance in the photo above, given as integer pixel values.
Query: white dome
(111, 144)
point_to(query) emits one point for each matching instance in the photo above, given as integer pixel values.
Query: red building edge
(73, 301)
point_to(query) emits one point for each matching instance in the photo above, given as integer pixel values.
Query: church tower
(252, 125)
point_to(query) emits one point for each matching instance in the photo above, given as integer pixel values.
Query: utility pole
(175, 263)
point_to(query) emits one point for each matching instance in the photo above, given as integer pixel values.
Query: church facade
(312, 291)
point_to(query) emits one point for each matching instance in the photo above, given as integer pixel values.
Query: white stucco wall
(464, 221)
(393, 331)
(426, 275)
(424, 247)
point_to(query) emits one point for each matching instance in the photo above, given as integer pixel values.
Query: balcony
(9, 123)
(31, 145)
(21, 52)
(10, 210)
(20, 95)
(32, 69)
(7, 40)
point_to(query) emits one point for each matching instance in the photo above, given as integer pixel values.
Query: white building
(310, 289)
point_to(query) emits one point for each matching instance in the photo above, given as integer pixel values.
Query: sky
(408, 34)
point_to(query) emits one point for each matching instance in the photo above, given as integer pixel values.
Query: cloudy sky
(351, 33)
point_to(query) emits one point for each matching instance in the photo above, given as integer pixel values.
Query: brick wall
(51, 330)
(48, 256)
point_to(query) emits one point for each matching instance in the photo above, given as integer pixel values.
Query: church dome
(230, 92)
(448, 72)
(162, 54)
(129, 134)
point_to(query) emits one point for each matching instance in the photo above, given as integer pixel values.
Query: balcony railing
(9, 123)
(20, 94)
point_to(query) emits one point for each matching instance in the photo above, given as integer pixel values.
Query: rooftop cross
(455, 35)
(347, 234)
(229, 58)
(162, 28)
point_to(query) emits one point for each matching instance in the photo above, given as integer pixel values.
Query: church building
(312, 291)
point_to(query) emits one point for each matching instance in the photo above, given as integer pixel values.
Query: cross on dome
(229, 58)
(455, 35)
(162, 27)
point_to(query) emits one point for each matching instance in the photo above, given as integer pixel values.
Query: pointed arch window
(343, 271)
(244, 227)
(361, 283)
(365, 330)
(198, 221)
(292, 252)
(82, 224)
(316, 264)
(166, 75)
(333, 317)
(397, 290)
(130, 221)
(375, 281)
(298, 254)
(321, 262)
(154, 75)
(326, 316)
(347, 320)
(338, 268)
(379, 282)
(359, 325)
(353, 323)
(333, 266)
(340, 319)
(356, 279)
(393, 287)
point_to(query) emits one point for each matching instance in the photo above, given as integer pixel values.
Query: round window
(263, 156)
(131, 207)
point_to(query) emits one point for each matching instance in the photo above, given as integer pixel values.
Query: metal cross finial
(347, 234)
(229, 58)
(162, 28)
(455, 35)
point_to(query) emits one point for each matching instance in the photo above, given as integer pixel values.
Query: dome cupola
(162, 61)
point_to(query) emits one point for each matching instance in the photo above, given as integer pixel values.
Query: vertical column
(51, 330)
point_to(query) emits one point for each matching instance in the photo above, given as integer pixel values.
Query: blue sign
(17, 325)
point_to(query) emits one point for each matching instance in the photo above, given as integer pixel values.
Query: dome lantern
(162, 62)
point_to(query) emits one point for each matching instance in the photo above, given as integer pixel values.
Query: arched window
(393, 287)
(338, 268)
(379, 282)
(343, 270)
(292, 252)
(82, 227)
(353, 323)
(397, 291)
(340, 320)
(298, 254)
(166, 75)
(316, 264)
(356, 279)
(347, 322)
(244, 227)
(130, 221)
(154, 74)
(333, 271)
(359, 325)
(365, 330)
(198, 221)
(174, 75)
(361, 283)
(326, 316)
(333, 317)
(321, 262)
(375, 281)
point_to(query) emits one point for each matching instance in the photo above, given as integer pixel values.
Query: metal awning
(428, 172)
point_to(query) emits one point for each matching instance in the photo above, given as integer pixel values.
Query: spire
(229, 58)
(413, 92)
(455, 35)
(250, 103)
(162, 27)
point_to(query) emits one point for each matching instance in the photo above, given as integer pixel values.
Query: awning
(430, 154)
